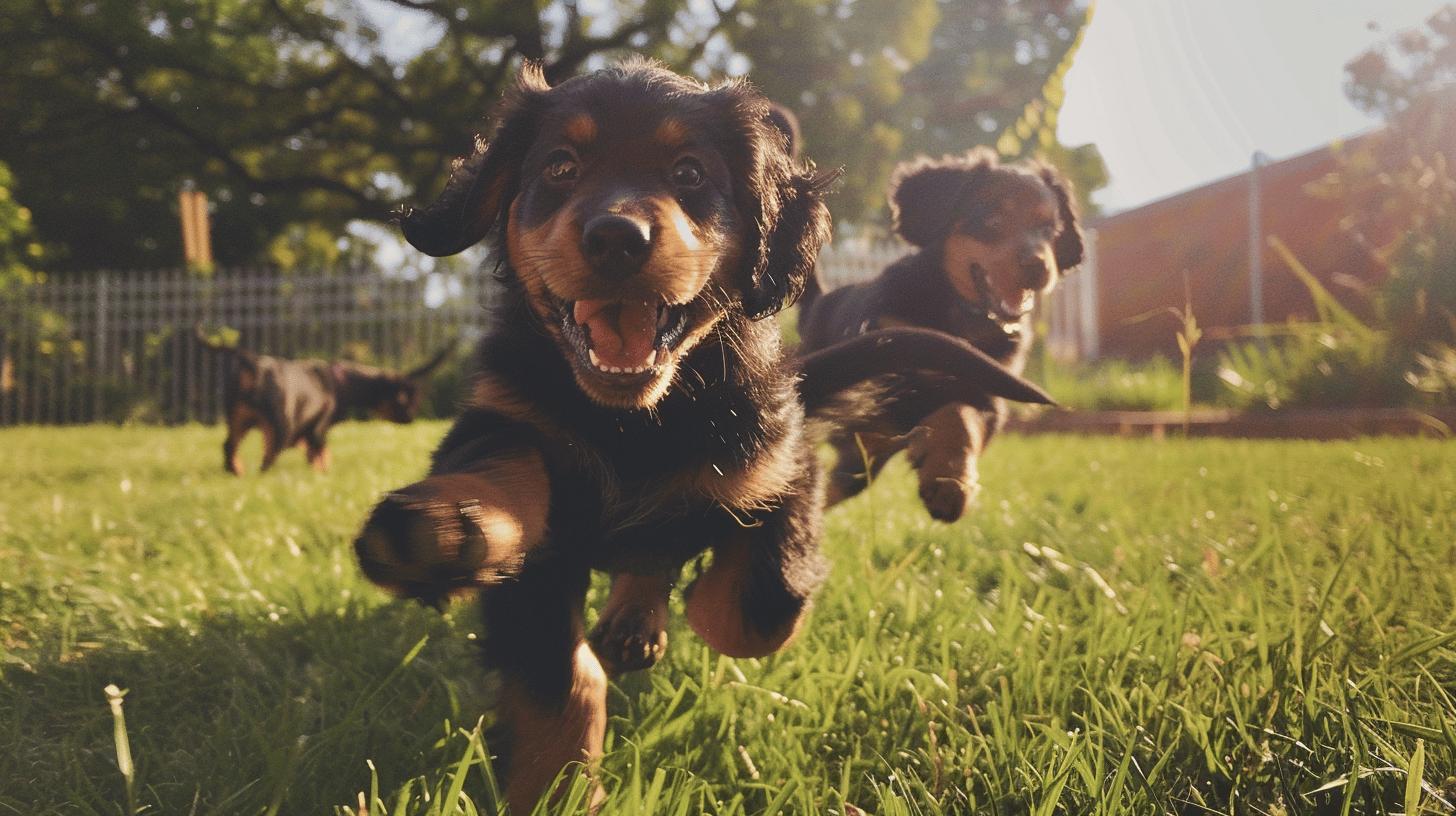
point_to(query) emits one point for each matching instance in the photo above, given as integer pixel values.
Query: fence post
(1091, 335)
(1256, 245)
(98, 326)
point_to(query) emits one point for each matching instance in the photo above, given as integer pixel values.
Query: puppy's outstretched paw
(948, 499)
(432, 540)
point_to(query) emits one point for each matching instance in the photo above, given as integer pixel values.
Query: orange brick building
(1143, 254)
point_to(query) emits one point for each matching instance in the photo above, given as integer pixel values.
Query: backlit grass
(1120, 627)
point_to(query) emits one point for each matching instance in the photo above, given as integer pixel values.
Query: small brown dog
(632, 407)
(296, 402)
(990, 239)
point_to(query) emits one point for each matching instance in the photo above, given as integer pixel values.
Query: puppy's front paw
(948, 499)
(629, 638)
(431, 540)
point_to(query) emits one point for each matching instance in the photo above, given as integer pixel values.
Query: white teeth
(591, 355)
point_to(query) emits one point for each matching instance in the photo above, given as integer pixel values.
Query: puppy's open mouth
(623, 338)
(998, 308)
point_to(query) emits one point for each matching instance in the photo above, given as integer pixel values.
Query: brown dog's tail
(424, 370)
(249, 359)
(901, 375)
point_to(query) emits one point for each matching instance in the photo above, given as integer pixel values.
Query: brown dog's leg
(272, 444)
(632, 631)
(553, 702)
(753, 598)
(240, 420)
(454, 531)
(858, 460)
(943, 450)
(318, 452)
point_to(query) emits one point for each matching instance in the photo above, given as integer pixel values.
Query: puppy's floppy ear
(790, 244)
(482, 184)
(787, 123)
(926, 195)
(1068, 244)
(781, 202)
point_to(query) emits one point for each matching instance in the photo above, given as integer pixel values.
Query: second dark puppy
(296, 402)
(990, 238)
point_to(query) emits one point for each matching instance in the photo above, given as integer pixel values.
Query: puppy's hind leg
(632, 631)
(754, 597)
(553, 703)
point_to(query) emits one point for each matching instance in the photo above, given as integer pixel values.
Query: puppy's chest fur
(726, 439)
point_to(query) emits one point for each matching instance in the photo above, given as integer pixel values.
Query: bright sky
(1179, 92)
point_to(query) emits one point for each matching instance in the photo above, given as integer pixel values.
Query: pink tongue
(622, 333)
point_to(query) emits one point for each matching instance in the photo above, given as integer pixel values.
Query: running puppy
(632, 408)
(990, 238)
(296, 402)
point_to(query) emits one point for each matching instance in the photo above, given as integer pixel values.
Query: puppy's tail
(901, 375)
(248, 358)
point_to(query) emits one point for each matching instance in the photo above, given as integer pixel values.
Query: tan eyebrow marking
(581, 128)
(671, 132)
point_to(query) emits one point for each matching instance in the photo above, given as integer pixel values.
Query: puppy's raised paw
(948, 499)
(433, 539)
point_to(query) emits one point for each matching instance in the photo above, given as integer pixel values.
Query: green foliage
(1114, 385)
(290, 115)
(876, 82)
(1312, 366)
(297, 117)
(1122, 627)
(1420, 297)
(19, 251)
(1402, 183)
(1434, 374)
(842, 68)
(1399, 76)
(1334, 361)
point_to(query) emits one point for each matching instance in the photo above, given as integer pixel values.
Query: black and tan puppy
(990, 238)
(296, 402)
(631, 409)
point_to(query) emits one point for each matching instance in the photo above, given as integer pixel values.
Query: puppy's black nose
(615, 245)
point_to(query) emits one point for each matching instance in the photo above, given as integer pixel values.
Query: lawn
(1122, 626)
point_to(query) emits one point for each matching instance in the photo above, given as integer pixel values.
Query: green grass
(1155, 384)
(1121, 627)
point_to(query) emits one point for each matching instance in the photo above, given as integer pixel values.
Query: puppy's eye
(688, 173)
(561, 168)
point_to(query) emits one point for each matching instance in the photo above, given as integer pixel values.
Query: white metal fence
(115, 346)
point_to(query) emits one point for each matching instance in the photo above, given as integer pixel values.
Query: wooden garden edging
(1345, 423)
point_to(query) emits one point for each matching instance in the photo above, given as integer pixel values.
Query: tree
(879, 81)
(298, 118)
(1402, 183)
(290, 114)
